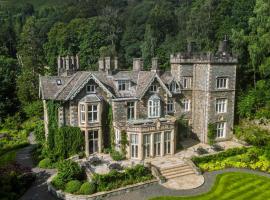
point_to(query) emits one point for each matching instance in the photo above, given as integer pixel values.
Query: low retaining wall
(97, 196)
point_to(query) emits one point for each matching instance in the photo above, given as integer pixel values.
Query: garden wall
(97, 196)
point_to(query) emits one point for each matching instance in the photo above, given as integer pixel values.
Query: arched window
(154, 106)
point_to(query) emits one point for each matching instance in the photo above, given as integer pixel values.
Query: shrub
(117, 156)
(73, 186)
(220, 156)
(211, 134)
(33, 109)
(87, 188)
(45, 163)
(69, 170)
(58, 182)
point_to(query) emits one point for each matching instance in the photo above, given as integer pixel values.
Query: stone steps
(176, 171)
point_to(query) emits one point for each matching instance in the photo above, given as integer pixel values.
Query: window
(153, 88)
(187, 82)
(186, 105)
(130, 110)
(92, 113)
(222, 83)
(90, 89)
(146, 145)
(173, 87)
(170, 106)
(93, 141)
(123, 85)
(82, 113)
(154, 107)
(167, 142)
(134, 145)
(221, 105)
(221, 129)
(58, 82)
(157, 144)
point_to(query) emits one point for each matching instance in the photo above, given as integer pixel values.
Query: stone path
(158, 190)
(38, 190)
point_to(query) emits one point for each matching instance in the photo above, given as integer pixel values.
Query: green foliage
(87, 188)
(253, 135)
(12, 122)
(7, 158)
(33, 109)
(220, 156)
(69, 170)
(115, 179)
(52, 108)
(212, 133)
(124, 142)
(117, 156)
(45, 163)
(73, 186)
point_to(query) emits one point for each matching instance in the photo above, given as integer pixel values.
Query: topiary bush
(88, 188)
(73, 186)
(45, 163)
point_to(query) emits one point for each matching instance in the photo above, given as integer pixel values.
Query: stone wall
(97, 196)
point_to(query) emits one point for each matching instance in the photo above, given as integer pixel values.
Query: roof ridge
(58, 93)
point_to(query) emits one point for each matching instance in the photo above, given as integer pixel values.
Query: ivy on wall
(211, 134)
(124, 142)
(107, 126)
(62, 142)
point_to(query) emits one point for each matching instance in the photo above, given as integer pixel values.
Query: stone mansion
(199, 88)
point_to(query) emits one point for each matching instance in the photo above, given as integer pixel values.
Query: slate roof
(71, 85)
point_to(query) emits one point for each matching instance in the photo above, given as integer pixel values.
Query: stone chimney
(155, 66)
(115, 63)
(67, 65)
(223, 47)
(101, 64)
(191, 47)
(137, 64)
(106, 64)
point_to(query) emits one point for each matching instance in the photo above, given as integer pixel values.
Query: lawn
(233, 186)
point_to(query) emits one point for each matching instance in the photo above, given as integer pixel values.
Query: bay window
(130, 110)
(82, 113)
(154, 107)
(92, 113)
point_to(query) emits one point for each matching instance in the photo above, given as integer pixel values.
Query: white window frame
(186, 105)
(130, 110)
(153, 108)
(187, 82)
(123, 85)
(153, 88)
(90, 88)
(167, 142)
(134, 146)
(170, 106)
(221, 129)
(173, 86)
(82, 113)
(147, 145)
(222, 82)
(221, 105)
(91, 112)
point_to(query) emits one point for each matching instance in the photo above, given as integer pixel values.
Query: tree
(8, 101)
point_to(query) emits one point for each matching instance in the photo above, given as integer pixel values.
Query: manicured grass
(7, 158)
(233, 186)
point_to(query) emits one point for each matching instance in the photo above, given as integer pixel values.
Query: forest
(33, 33)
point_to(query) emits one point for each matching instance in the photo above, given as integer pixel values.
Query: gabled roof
(140, 82)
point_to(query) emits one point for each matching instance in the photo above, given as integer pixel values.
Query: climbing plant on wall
(124, 142)
(107, 126)
(52, 108)
(211, 134)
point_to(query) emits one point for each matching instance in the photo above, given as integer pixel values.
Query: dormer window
(153, 88)
(154, 107)
(123, 85)
(173, 87)
(90, 89)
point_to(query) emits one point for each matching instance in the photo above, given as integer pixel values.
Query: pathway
(38, 190)
(158, 190)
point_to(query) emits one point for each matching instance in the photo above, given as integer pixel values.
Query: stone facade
(199, 88)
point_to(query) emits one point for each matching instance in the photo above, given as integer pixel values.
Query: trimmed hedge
(220, 156)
